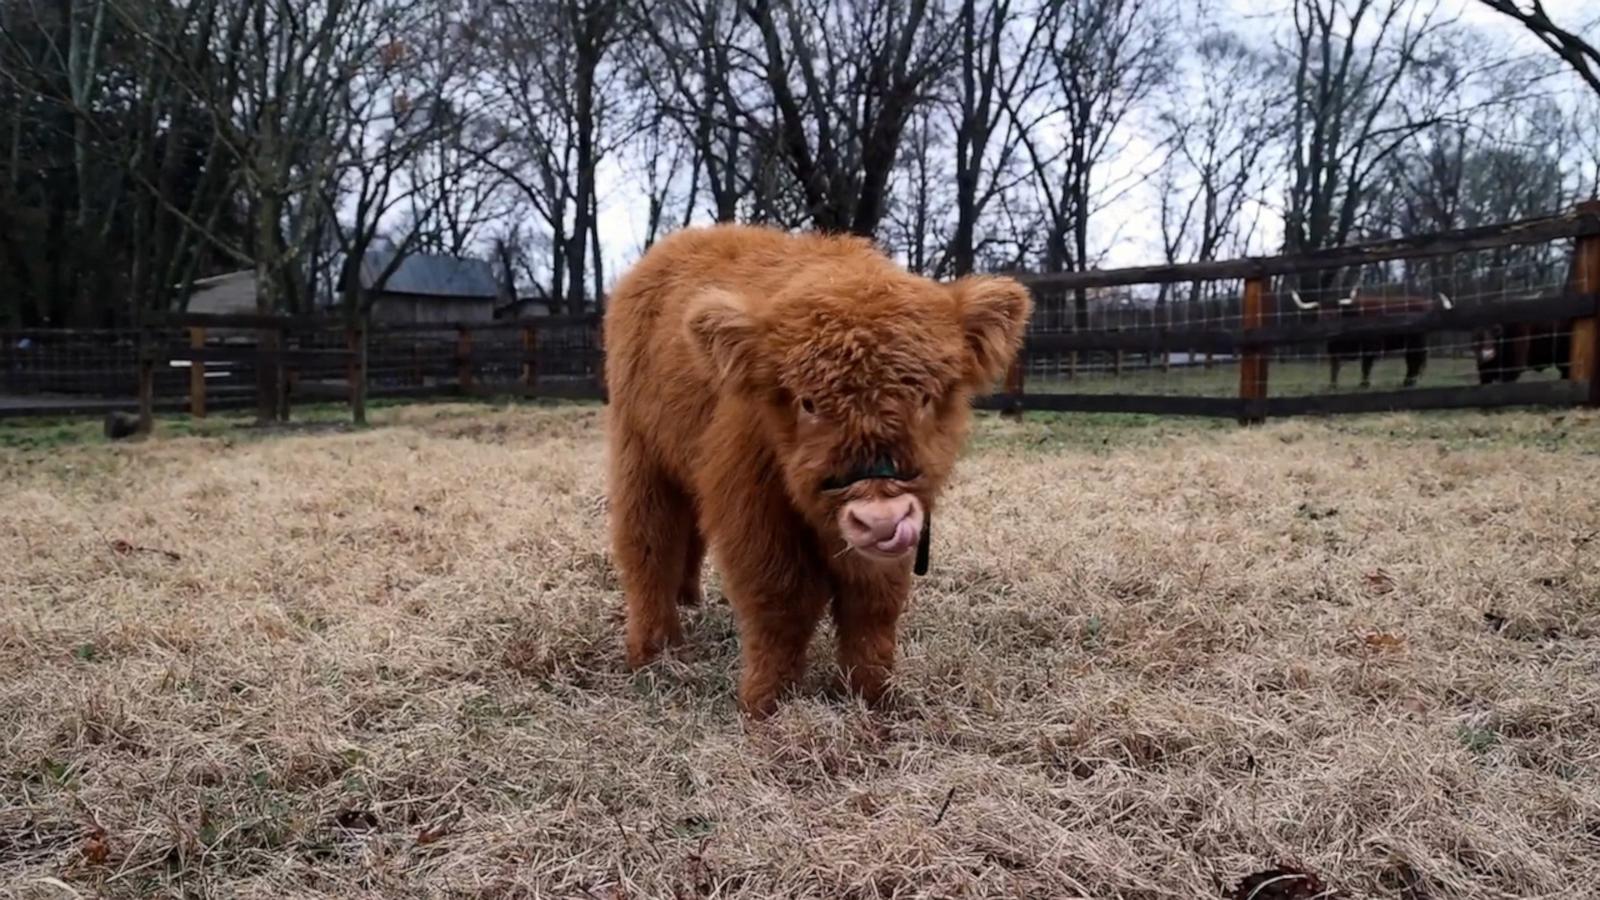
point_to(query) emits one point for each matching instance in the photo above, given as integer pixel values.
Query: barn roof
(429, 275)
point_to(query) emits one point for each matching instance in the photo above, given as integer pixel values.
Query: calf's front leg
(777, 592)
(866, 614)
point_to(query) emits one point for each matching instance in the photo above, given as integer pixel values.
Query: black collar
(881, 467)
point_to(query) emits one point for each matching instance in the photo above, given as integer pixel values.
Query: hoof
(643, 652)
(758, 709)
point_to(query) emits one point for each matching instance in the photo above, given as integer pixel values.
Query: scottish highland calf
(796, 402)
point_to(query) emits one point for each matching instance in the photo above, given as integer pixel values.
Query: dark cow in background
(1414, 344)
(1503, 352)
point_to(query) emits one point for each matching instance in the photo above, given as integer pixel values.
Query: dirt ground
(1151, 659)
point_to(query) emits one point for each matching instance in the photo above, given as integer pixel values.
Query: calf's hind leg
(651, 521)
(690, 594)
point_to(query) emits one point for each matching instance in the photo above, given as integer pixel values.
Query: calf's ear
(994, 312)
(725, 337)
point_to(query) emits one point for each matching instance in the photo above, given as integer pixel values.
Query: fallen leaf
(437, 830)
(1379, 582)
(124, 548)
(95, 849)
(1382, 640)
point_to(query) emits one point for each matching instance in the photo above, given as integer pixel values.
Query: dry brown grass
(387, 664)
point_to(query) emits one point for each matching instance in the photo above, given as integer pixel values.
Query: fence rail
(1582, 221)
(203, 362)
(1161, 339)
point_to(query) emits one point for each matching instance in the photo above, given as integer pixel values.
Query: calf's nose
(889, 525)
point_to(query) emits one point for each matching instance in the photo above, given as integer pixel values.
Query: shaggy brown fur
(749, 368)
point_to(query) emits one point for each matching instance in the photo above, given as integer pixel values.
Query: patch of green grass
(1477, 739)
(1560, 431)
(49, 433)
(1049, 432)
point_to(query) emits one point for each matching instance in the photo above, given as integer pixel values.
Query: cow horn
(1295, 296)
(1348, 301)
(1445, 302)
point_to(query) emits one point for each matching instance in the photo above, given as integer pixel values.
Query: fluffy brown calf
(796, 402)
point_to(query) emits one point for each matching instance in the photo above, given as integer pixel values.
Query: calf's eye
(809, 407)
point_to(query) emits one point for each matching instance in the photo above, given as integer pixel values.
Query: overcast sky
(1127, 231)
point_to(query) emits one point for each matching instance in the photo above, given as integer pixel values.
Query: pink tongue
(905, 534)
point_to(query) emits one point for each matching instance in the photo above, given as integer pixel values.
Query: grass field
(1152, 658)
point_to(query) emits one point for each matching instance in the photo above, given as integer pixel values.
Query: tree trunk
(583, 220)
(268, 302)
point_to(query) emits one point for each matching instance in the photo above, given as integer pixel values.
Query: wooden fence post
(1253, 362)
(284, 373)
(1205, 319)
(1116, 359)
(1166, 328)
(1586, 331)
(356, 372)
(530, 359)
(600, 358)
(266, 376)
(464, 359)
(1016, 378)
(147, 382)
(197, 374)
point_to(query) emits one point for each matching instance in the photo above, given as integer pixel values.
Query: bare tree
(1107, 58)
(919, 204)
(1509, 161)
(82, 100)
(558, 87)
(842, 79)
(392, 115)
(663, 158)
(1220, 122)
(274, 79)
(1576, 51)
(1350, 61)
(1584, 126)
(1000, 71)
(686, 67)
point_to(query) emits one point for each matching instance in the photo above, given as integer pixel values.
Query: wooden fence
(201, 363)
(1254, 339)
